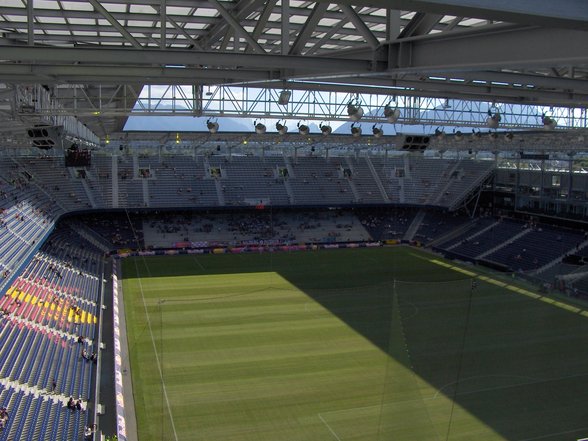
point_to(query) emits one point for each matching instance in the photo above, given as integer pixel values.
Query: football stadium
(280, 220)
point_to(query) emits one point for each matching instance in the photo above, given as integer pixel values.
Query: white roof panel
(82, 21)
(206, 12)
(76, 6)
(113, 7)
(57, 20)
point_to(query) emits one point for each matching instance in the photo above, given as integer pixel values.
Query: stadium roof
(93, 58)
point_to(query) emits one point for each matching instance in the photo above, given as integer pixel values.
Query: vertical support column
(518, 182)
(571, 182)
(392, 24)
(285, 27)
(114, 181)
(542, 203)
(30, 23)
(163, 25)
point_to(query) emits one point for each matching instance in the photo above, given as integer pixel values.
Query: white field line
(157, 358)
(198, 262)
(329, 427)
(549, 435)
(488, 389)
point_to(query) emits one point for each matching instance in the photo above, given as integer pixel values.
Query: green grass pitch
(362, 344)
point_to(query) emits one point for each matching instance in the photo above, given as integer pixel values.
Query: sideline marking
(549, 435)
(156, 354)
(329, 427)
(513, 288)
(198, 262)
(438, 393)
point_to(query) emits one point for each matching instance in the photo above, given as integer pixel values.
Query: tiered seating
(468, 232)
(26, 216)
(186, 181)
(182, 181)
(100, 180)
(51, 304)
(364, 182)
(253, 228)
(121, 230)
(49, 174)
(467, 176)
(130, 187)
(388, 170)
(247, 180)
(425, 179)
(387, 223)
(537, 248)
(436, 224)
(498, 234)
(318, 182)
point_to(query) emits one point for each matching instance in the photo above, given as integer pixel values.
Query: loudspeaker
(46, 137)
(284, 97)
(416, 143)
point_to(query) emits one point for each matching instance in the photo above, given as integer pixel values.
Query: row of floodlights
(355, 113)
(494, 118)
(303, 129)
(458, 135)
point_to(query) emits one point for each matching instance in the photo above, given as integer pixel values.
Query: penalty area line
(329, 427)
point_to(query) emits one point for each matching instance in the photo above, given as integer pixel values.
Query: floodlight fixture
(354, 110)
(548, 122)
(325, 129)
(377, 131)
(212, 126)
(391, 113)
(260, 128)
(282, 128)
(355, 130)
(303, 129)
(493, 119)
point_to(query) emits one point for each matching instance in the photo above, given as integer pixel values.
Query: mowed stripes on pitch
(250, 356)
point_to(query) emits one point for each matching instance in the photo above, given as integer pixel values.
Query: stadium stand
(387, 224)
(537, 248)
(48, 327)
(207, 181)
(51, 293)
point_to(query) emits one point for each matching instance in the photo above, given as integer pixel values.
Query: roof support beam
(262, 21)
(569, 14)
(182, 31)
(538, 81)
(326, 37)
(388, 86)
(452, 24)
(308, 28)
(120, 28)
(237, 26)
(498, 47)
(98, 57)
(421, 24)
(360, 25)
